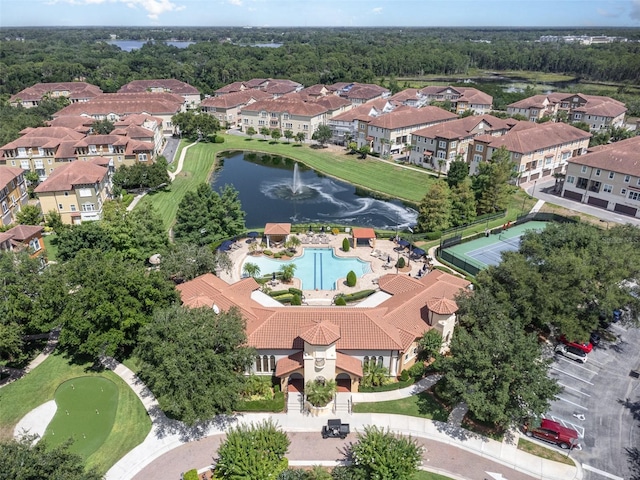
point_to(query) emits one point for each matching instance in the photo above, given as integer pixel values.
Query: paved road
(313, 450)
(170, 148)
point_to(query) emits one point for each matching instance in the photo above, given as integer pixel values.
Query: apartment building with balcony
(281, 114)
(226, 108)
(537, 150)
(190, 93)
(462, 98)
(76, 92)
(13, 193)
(607, 176)
(77, 191)
(352, 125)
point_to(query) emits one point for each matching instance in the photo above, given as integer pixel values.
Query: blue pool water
(317, 268)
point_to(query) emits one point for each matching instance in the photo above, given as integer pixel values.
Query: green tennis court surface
(86, 411)
(487, 251)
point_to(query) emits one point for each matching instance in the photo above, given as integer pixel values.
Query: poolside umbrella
(418, 252)
(225, 246)
(273, 276)
(403, 243)
(253, 234)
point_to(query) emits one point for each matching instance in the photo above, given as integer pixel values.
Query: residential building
(437, 146)
(273, 86)
(462, 98)
(116, 106)
(359, 93)
(13, 193)
(24, 238)
(43, 149)
(598, 112)
(538, 150)
(227, 108)
(171, 85)
(390, 134)
(410, 97)
(607, 176)
(281, 114)
(76, 190)
(300, 344)
(76, 92)
(352, 125)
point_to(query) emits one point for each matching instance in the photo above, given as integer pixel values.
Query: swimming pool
(317, 268)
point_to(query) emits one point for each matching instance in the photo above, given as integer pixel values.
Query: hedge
(295, 291)
(387, 387)
(351, 297)
(275, 404)
(286, 298)
(277, 293)
(191, 475)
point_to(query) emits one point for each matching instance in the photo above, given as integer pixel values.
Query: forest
(309, 56)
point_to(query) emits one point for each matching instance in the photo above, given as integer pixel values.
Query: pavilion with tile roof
(298, 344)
(277, 233)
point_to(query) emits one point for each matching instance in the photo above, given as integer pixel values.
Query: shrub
(278, 293)
(286, 298)
(404, 376)
(416, 370)
(401, 263)
(296, 300)
(257, 386)
(319, 394)
(191, 475)
(340, 301)
(351, 279)
(218, 139)
(352, 297)
(433, 235)
(345, 244)
(295, 291)
(268, 253)
(277, 255)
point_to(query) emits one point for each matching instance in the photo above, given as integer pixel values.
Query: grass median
(422, 405)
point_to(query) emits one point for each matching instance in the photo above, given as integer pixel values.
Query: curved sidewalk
(167, 434)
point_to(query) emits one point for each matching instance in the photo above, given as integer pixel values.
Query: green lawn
(51, 246)
(422, 405)
(424, 475)
(382, 177)
(544, 452)
(86, 412)
(131, 424)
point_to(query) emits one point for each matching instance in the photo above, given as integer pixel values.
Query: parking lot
(599, 400)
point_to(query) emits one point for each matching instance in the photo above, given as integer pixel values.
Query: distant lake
(129, 45)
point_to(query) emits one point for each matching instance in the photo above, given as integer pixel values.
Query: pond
(268, 193)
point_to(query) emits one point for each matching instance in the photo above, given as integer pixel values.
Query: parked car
(595, 339)
(585, 347)
(335, 429)
(572, 352)
(553, 432)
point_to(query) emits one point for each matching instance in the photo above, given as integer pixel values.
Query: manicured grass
(424, 475)
(131, 424)
(51, 246)
(544, 452)
(386, 178)
(86, 412)
(422, 405)
(276, 404)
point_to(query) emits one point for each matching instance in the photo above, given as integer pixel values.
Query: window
(627, 178)
(598, 171)
(583, 169)
(571, 179)
(24, 164)
(66, 194)
(577, 116)
(548, 160)
(442, 144)
(84, 192)
(13, 163)
(93, 149)
(73, 207)
(566, 156)
(442, 154)
(305, 127)
(477, 158)
(288, 125)
(479, 148)
(261, 122)
(5, 208)
(612, 175)
(88, 207)
(607, 188)
(582, 183)
(634, 196)
(142, 157)
(285, 116)
(453, 144)
(259, 363)
(623, 191)
(34, 245)
(60, 207)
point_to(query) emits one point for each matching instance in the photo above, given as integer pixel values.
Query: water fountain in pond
(296, 184)
(295, 190)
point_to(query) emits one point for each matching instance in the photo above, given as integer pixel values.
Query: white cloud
(377, 10)
(154, 8)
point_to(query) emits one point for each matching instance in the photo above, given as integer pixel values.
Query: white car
(572, 352)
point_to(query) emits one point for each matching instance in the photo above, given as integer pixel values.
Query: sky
(318, 13)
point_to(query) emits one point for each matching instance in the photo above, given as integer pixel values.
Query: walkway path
(46, 351)
(450, 448)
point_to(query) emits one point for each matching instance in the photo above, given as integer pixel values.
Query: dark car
(335, 429)
(595, 339)
(553, 432)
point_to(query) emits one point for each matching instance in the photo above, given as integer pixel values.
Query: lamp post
(605, 221)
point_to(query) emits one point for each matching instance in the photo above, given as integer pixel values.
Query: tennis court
(487, 251)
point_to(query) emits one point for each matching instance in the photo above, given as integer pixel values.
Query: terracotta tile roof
(77, 90)
(21, 233)
(8, 174)
(66, 149)
(365, 91)
(170, 84)
(323, 333)
(619, 157)
(280, 87)
(314, 90)
(4, 237)
(349, 364)
(137, 119)
(464, 127)
(527, 137)
(79, 123)
(406, 94)
(332, 102)
(234, 99)
(66, 177)
(256, 82)
(125, 104)
(277, 229)
(442, 305)
(602, 107)
(231, 88)
(299, 108)
(406, 116)
(41, 136)
(536, 101)
(465, 94)
(289, 364)
(363, 233)
(363, 112)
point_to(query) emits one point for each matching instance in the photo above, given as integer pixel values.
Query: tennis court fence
(458, 262)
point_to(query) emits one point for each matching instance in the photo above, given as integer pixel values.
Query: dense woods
(309, 56)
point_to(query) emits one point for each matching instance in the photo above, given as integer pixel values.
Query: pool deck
(325, 297)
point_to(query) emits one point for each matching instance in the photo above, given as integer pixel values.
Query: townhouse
(411, 97)
(76, 92)
(24, 238)
(274, 87)
(282, 114)
(13, 193)
(116, 106)
(462, 98)
(77, 191)
(598, 112)
(300, 344)
(190, 94)
(359, 93)
(537, 150)
(226, 108)
(44, 149)
(390, 134)
(607, 176)
(437, 146)
(352, 125)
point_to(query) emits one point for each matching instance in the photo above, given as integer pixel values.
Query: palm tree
(320, 393)
(251, 270)
(374, 374)
(292, 243)
(287, 272)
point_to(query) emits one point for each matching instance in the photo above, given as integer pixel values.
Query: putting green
(86, 411)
